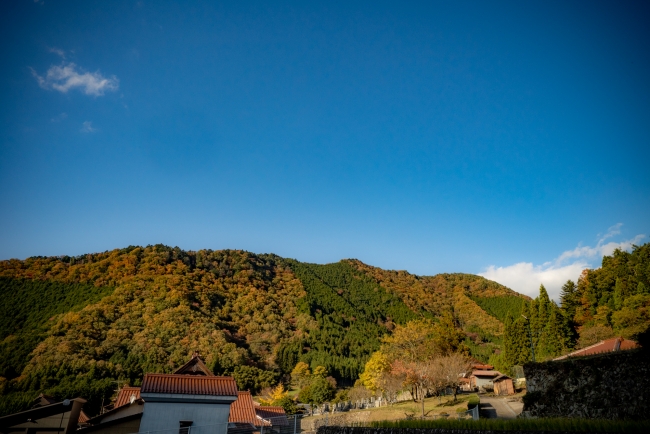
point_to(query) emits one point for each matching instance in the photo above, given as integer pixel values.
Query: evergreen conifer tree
(568, 298)
(544, 305)
(508, 340)
(533, 320)
(521, 342)
(568, 330)
(553, 339)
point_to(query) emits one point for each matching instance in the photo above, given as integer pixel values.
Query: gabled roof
(501, 377)
(606, 346)
(42, 400)
(189, 385)
(39, 412)
(194, 367)
(482, 373)
(243, 410)
(125, 395)
(275, 415)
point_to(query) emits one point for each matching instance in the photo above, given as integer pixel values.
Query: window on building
(185, 427)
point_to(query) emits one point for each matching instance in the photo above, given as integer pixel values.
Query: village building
(46, 417)
(123, 418)
(190, 400)
(247, 415)
(272, 415)
(503, 385)
(483, 379)
(174, 401)
(242, 416)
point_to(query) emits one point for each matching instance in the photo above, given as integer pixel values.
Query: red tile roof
(482, 366)
(243, 410)
(189, 385)
(124, 396)
(275, 415)
(83, 417)
(606, 346)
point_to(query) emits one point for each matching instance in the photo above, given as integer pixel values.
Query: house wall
(123, 412)
(56, 421)
(165, 417)
(483, 381)
(128, 426)
(504, 387)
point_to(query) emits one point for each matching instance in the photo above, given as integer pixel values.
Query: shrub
(474, 400)
(521, 425)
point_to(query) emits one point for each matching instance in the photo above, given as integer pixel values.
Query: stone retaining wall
(608, 386)
(351, 430)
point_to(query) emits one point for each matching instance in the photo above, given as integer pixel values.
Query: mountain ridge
(237, 308)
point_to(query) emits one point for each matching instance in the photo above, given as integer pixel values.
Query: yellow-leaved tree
(274, 395)
(300, 375)
(376, 367)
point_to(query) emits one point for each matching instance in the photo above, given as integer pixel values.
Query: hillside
(77, 325)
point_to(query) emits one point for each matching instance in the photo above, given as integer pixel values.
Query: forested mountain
(81, 326)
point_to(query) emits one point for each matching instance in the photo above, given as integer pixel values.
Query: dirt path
(493, 407)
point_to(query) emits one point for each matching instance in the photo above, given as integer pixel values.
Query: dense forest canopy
(27, 309)
(79, 326)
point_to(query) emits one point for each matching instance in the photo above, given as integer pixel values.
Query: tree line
(613, 300)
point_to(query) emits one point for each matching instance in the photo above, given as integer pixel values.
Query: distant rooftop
(606, 346)
(273, 414)
(481, 366)
(243, 410)
(125, 394)
(482, 373)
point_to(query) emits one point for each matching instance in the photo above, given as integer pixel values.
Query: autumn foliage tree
(421, 355)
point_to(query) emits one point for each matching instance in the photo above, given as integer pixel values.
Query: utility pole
(530, 335)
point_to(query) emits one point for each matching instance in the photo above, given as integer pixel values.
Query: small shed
(503, 385)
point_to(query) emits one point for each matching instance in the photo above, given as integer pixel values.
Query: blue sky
(504, 138)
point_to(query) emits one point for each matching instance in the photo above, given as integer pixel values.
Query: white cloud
(66, 77)
(601, 249)
(59, 52)
(525, 277)
(87, 127)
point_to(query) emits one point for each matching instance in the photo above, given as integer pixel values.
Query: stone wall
(357, 430)
(608, 386)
